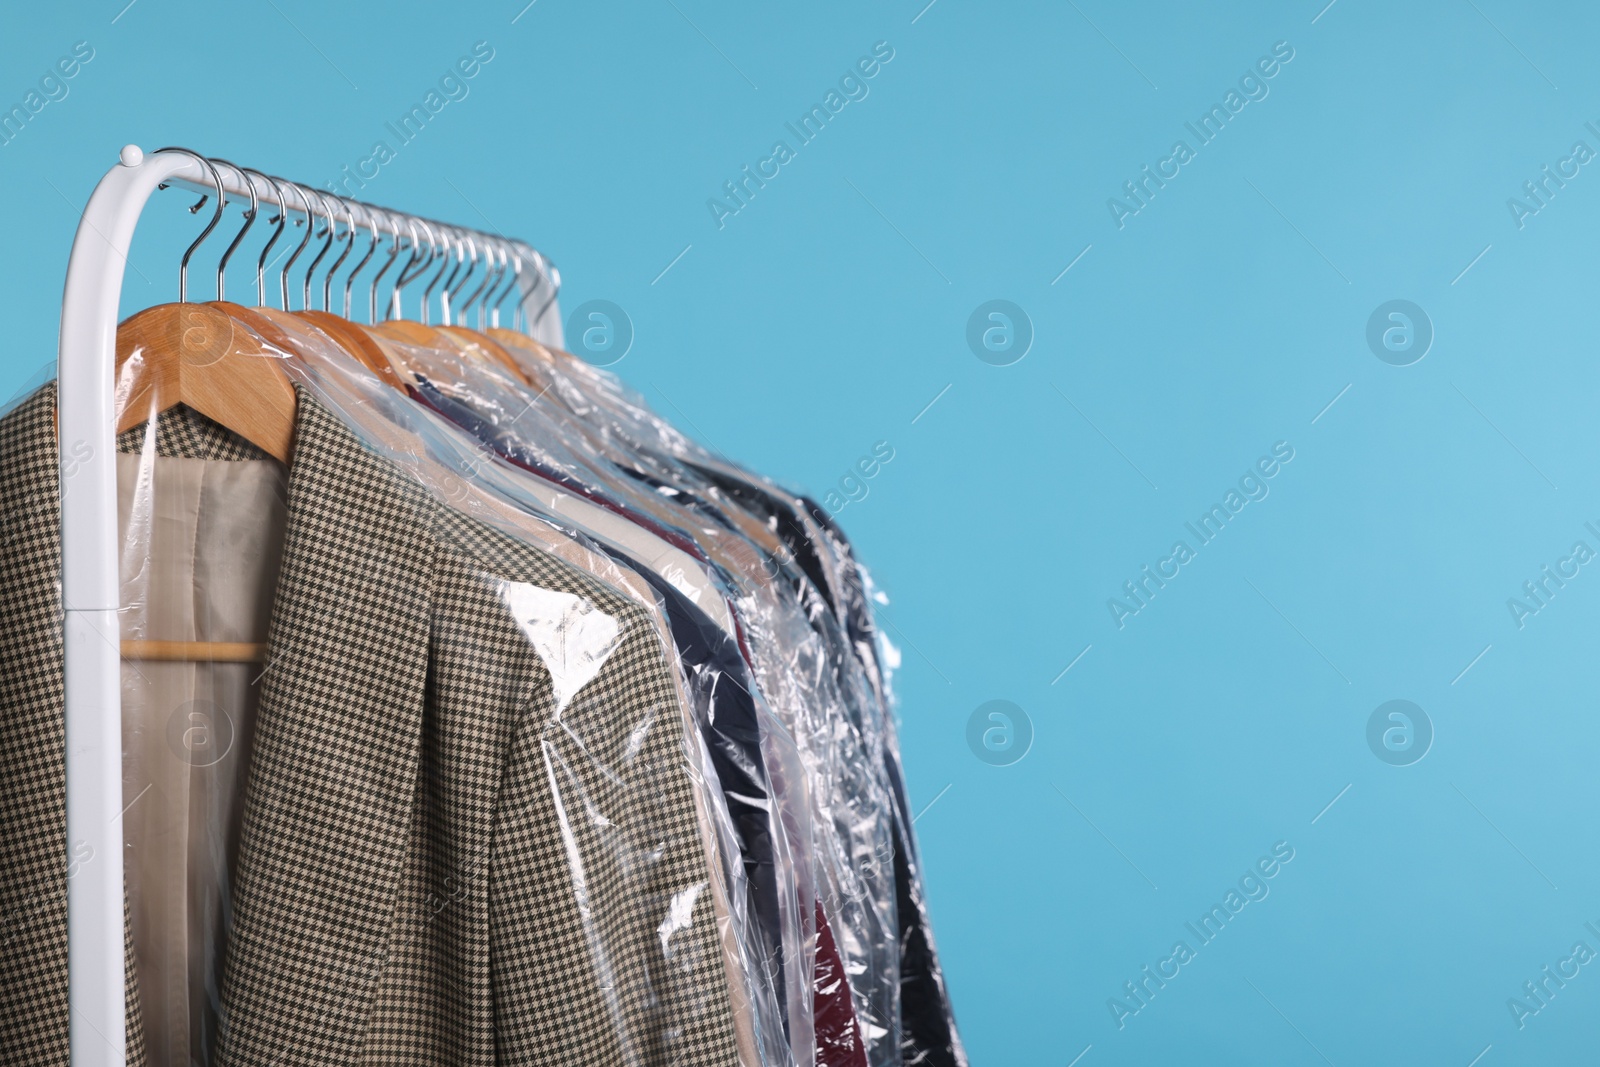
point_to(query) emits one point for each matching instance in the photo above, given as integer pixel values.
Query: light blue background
(1224, 317)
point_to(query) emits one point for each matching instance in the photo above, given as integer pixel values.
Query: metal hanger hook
(491, 275)
(249, 221)
(310, 224)
(395, 247)
(500, 261)
(372, 247)
(415, 266)
(452, 295)
(458, 242)
(322, 198)
(349, 244)
(511, 283)
(281, 222)
(427, 294)
(544, 271)
(216, 217)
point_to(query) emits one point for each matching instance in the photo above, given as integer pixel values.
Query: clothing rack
(85, 419)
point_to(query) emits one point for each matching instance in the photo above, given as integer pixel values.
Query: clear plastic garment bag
(465, 710)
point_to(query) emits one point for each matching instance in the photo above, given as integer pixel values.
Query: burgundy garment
(839, 1041)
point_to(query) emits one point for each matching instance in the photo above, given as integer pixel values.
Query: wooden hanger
(452, 339)
(523, 342)
(407, 332)
(195, 651)
(201, 356)
(197, 354)
(381, 431)
(539, 363)
(371, 351)
(258, 321)
(474, 340)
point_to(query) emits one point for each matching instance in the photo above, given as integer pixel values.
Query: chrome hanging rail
(526, 271)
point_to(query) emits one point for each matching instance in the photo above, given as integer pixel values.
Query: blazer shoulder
(501, 556)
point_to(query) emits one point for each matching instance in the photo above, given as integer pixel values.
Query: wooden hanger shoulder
(199, 355)
(521, 342)
(405, 330)
(453, 339)
(533, 360)
(372, 351)
(483, 346)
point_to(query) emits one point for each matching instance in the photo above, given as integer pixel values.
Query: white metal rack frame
(89, 583)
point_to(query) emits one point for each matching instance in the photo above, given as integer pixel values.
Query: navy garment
(725, 710)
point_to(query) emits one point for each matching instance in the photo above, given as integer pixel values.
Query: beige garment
(201, 543)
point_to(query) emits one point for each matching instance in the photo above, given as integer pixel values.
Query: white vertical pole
(89, 592)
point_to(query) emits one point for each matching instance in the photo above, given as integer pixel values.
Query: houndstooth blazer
(438, 865)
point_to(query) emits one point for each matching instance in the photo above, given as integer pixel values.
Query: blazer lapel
(333, 769)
